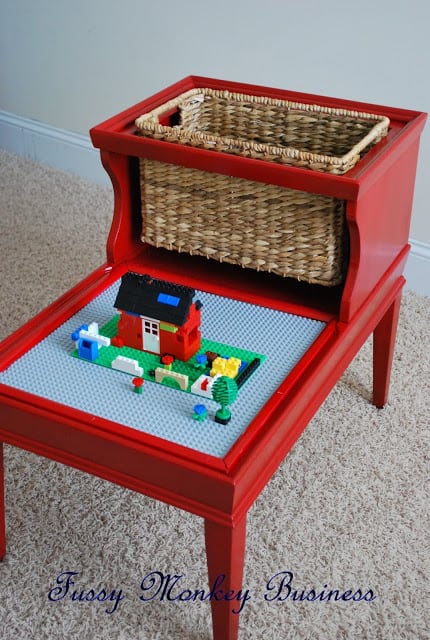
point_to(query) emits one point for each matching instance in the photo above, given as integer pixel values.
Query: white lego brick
(93, 329)
(102, 341)
(127, 365)
(196, 387)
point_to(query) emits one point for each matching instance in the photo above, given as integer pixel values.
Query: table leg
(384, 337)
(225, 550)
(2, 507)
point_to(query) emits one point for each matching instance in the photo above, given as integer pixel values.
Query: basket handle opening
(170, 118)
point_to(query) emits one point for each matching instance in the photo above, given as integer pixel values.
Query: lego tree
(224, 391)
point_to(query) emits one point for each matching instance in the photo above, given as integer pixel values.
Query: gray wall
(73, 63)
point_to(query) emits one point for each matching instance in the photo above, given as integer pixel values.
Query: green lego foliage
(225, 393)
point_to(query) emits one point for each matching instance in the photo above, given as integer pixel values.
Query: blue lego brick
(88, 349)
(48, 370)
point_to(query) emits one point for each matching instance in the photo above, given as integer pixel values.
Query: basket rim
(148, 123)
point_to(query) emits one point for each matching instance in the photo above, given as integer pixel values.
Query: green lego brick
(168, 327)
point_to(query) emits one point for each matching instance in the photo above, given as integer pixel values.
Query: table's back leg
(225, 550)
(2, 507)
(384, 337)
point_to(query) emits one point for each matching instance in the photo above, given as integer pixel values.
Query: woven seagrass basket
(262, 226)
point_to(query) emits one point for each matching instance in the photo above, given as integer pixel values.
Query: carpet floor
(347, 509)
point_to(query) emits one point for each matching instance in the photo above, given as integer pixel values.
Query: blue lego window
(164, 298)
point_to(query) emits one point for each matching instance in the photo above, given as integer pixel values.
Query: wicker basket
(291, 233)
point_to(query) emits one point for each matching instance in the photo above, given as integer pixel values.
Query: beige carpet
(347, 508)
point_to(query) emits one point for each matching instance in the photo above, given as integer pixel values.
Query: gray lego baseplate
(48, 370)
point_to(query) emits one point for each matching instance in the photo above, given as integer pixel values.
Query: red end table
(378, 192)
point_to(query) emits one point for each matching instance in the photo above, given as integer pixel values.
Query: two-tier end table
(306, 334)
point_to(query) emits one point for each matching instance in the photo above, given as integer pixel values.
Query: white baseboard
(73, 152)
(58, 148)
(417, 272)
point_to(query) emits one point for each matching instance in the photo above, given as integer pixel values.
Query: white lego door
(151, 335)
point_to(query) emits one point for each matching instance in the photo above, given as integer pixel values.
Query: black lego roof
(158, 299)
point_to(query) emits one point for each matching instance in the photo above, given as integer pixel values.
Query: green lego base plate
(150, 361)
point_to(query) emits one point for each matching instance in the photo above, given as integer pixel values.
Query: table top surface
(48, 370)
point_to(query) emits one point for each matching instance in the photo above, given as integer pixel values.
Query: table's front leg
(2, 507)
(225, 550)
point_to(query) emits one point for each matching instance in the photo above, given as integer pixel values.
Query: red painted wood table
(378, 193)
